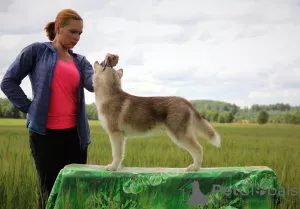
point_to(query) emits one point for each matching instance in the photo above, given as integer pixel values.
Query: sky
(241, 52)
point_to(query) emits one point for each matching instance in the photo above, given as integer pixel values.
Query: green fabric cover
(90, 186)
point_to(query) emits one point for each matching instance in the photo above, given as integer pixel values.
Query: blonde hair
(62, 18)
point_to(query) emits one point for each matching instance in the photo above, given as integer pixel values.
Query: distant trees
(7, 110)
(213, 111)
(222, 112)
(271, 107)
(216, 116)
(262, 117)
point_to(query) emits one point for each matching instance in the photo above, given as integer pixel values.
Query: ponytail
(50, 30)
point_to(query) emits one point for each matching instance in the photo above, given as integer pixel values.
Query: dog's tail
(204, 129)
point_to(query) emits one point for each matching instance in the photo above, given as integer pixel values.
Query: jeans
(51, 153)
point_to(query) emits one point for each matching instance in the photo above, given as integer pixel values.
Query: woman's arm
(17, 71)
(88, 72)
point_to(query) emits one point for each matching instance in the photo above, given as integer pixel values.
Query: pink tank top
(63, 101)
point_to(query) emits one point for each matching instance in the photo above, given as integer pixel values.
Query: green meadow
(275, 146)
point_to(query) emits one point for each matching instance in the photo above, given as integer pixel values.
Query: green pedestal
(89, 186)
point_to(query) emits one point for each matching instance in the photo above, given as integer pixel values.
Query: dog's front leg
(118, 149)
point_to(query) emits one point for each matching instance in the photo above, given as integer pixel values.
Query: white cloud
(272, 94)
(244, 52)
(275, 96)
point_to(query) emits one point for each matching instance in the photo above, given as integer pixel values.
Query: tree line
(217, 111)
(213, 111)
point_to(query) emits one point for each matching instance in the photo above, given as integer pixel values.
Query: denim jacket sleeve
(88, 72)
(17, 71)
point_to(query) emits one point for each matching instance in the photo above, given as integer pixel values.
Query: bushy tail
(205, 129)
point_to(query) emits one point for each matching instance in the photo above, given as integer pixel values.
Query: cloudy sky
(243, 52)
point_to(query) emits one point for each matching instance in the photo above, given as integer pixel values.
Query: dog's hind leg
(118, 151)
(188, 141)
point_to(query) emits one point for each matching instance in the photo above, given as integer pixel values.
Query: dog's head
(107, 78)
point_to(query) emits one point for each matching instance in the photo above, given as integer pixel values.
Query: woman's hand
(111, 60)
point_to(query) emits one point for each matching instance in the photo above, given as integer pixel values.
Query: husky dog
(123, 115)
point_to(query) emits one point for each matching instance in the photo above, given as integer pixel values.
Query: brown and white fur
(123, 115)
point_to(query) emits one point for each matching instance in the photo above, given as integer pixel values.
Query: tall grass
(276, 146)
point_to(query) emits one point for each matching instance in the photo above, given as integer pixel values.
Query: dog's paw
(193, 167)
(110, 167)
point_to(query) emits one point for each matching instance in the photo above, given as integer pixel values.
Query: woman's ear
(57, 27)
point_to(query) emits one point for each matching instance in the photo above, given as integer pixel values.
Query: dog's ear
(97, 66)
(120, 72)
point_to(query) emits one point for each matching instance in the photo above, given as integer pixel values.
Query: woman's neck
(63, 53)
(59, 47)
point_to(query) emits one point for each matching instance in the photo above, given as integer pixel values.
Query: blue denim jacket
(38, 60)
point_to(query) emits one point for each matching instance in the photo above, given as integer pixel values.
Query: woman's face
(69, 35)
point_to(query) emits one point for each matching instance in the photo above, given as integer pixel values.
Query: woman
(56, 116)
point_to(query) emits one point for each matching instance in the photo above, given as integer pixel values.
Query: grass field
(276, 146)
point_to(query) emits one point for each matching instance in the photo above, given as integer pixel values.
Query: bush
(262, 117)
